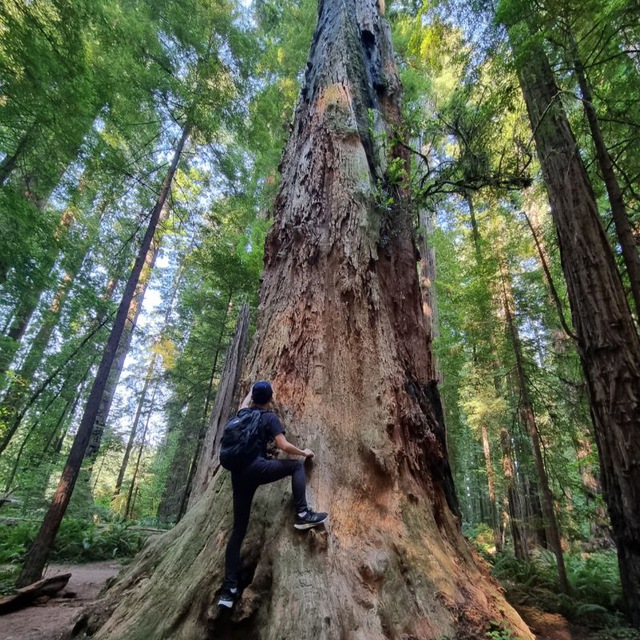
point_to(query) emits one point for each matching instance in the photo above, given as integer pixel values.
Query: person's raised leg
(263, 471)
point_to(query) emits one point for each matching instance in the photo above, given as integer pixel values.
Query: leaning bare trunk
(39, 551)
(607, 340)
(207, 463)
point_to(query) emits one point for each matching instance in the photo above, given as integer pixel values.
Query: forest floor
(48, 621)
(552, 626)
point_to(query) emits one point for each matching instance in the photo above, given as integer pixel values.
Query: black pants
(245, 483)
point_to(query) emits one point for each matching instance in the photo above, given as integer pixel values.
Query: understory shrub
(77, 541)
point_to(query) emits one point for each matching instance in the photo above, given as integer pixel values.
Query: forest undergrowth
(79, 541)
(594, 602)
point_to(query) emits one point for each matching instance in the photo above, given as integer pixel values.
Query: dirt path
(48, 621)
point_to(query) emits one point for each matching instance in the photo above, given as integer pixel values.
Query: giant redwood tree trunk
(342, 336)
(607, 340)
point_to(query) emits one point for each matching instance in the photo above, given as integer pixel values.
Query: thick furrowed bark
(607, 339)
(342, 336)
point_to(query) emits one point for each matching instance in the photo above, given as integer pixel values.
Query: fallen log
(25, 596)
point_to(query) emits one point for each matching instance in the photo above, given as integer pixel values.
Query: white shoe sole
(226, 604)
(309, 525)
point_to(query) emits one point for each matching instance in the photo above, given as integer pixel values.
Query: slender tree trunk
(518, 535)
(207, 461)
(59, 432)
(147, 380)
(19, 386)
(36, 559)
(19, 323)
(127, 510)
(427, 278)
(528, 417)
(621, 221)
(10, 423)
(495, 524)
(342, 337)
(33, 429)
(607, 340)
(24, 377)
(134, 426)
(493, 366)
(124, 345)
(187, 448)
(29, 301)
(552, 288)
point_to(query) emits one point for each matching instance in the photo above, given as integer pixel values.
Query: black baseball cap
(261, 392)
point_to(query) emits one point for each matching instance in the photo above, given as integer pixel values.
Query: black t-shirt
(270, 427)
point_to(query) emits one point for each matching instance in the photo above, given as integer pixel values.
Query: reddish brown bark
(342, 336)
(621, 221)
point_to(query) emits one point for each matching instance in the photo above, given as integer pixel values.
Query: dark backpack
(241, 440)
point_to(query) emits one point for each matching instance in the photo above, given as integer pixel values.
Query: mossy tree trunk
(342, 336)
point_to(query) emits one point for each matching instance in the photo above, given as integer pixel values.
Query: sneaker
(309, 519)
(227, 598)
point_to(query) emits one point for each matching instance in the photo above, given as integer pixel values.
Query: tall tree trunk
(128, 507)
(607, 340)
(493, 366)
(342, 337)
(491, 483)
(37, 557)
(23, 379)
(135, 306)
(621, 221)
(134, 427)
(10, 423)
(28, 302)
(516, 513)
(207, 462)
(552, 288)
(528, 417)
(31, 431)
(427, 278)
(147, 381)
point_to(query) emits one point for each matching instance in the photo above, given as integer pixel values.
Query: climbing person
(262, 470)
